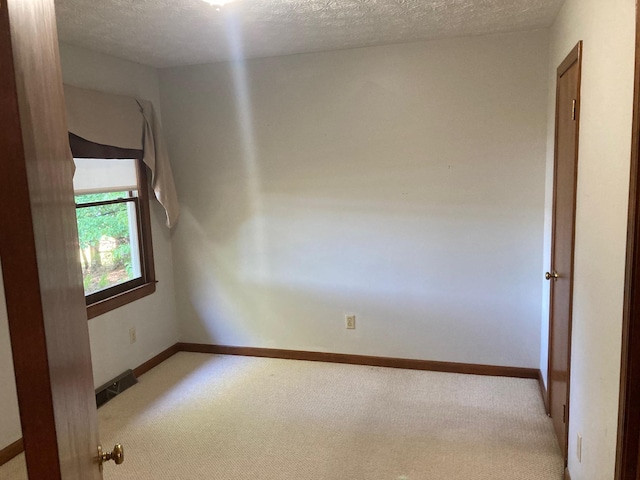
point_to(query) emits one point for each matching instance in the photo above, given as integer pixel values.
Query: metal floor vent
(115, 387)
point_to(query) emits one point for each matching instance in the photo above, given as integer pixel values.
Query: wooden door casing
(628, 448)
(38, 247)
(563, 239)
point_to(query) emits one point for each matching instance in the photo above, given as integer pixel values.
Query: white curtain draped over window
(127, 123)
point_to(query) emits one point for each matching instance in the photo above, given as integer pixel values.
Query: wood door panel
(38, 246)
(563, 234)
(628, 451)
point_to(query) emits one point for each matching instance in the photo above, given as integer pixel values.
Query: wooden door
(562, 243)
(39, 251)
(628, 452)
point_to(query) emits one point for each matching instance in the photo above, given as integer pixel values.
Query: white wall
(403, 183)
(154, 317)
(608, 32)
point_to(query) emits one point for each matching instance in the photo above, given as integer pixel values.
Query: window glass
(107, 211)
(108, 237)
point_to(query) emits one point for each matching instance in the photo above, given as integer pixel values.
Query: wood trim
(12, 451)
(573, 57)
(117, 301)
(144, 232)
(628, 414)
(406, 363)
(155, 361)
(543, 392)
(567, 475)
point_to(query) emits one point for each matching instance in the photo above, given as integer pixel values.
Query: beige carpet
(221, 417)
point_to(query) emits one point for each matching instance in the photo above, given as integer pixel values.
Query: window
(114, 233)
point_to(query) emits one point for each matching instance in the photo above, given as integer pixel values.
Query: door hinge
(573, 110)
(564, 413)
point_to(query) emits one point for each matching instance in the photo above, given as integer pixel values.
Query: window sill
(124, 298)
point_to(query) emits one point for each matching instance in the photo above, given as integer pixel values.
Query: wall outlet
(579, 447)
(350, 322)
(132, 335)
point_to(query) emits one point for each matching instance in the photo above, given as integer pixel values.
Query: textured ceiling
(167, 33)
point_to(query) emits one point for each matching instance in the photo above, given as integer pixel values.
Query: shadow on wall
(401, 267)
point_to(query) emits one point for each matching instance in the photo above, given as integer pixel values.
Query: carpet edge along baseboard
(391, 362)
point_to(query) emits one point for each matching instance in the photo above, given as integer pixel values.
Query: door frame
(628, 447)
(575, 56)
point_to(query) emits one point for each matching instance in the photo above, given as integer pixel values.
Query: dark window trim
(120, 300)
(138, 288)
(109, 292)
(129, 199)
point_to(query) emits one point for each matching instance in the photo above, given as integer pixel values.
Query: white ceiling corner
(165, 33)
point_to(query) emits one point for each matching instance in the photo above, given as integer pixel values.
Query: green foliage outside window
(105, 243)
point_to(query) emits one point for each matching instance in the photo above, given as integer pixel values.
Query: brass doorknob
(551, 275)
(117, 455)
